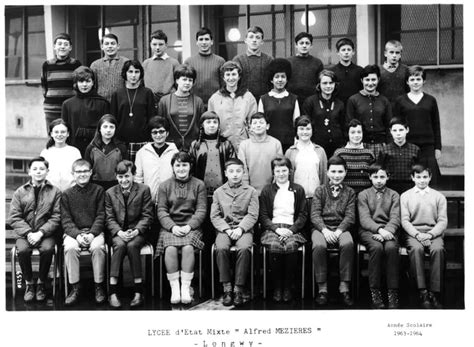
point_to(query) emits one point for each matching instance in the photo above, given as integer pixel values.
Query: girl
(133, 105)
(83, 110)
(105, 152)
(182, 108)
(283, 215)
(357, 157)
(60, 155)
(280, 106)
(372, 109)
(233, 104)
(181, 210)
(420, 110)
(309, 161)
(327, 113)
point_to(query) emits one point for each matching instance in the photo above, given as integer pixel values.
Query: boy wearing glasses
(82, 218)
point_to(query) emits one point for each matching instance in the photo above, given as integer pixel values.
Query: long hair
(97, 140)
(55, 122)
(200, 139)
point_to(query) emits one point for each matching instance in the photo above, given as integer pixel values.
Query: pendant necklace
(130, 104)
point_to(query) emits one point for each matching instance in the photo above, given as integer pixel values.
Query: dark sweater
(254, 73)
(304, 76)
(333, 212)
(83, 207)
(422, 118)
(358, 162)
(393, 84)
(379, 213)
(349, 80)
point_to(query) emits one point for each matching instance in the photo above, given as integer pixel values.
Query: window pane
(298, 23)
(234, 29)
(234, 10)
(36, 44)
(419, 47)
(343, 21)
(35, 19)
(265, 22)
(33, 69)
(13, 67)
(321, 50)
(121, 15)
(260, 8)
(451, 47)
(91, 16)
(127, 36)
(279, 25)
(164, 13)
(318, 22)
(417, 17)
(450, 16)
(458, 15)
(280, 49)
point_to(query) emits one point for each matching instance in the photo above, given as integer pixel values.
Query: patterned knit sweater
(358, 161)
(253, 73)
(108, 75)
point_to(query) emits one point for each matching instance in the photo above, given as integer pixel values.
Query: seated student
(283, 215)
(379, 215)
(35, 216)
(128, 216)
(333, 216)
(83, 111)
(181, 209)
(358, 158)
(153, 160)
(424, 219)
(82, 219)
(258, 151)
(234, 227)
(399, 156)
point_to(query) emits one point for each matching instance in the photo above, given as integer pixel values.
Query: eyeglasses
(82, 172)
(156, 132)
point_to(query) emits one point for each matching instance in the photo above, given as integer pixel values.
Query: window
(430, 34)
(25, 47)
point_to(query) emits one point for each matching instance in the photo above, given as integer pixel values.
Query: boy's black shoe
(73, 295)
(376, 297)
(287, 295)
(434, 300)
(346, 299)
(99, 294)
(227, 300)
(322, 298)
(29, 293)
(40, 293)
(393, 302)
(425, 299)
(238, 299)
(277, 295)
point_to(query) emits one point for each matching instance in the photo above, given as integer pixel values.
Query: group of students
(215, 163)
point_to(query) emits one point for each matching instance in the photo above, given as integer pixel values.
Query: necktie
(335, 189)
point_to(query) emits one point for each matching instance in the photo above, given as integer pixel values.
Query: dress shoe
(287, 295)
(425, 301)
(346, 299)
(322, 298)
(376, 297)
(227, 300)
(114, 301)
(434, 301)
(40, 293)
(137, 300)
(99, 294)
(238, 299)
(277, 295)
(393, 301)
(73, 296)
(29, 293)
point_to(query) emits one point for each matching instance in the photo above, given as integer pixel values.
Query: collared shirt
(379, 192)
(107, 58)
(425, 191)
(257, 54)
(278, 95)
(398, 160)
(164, 56)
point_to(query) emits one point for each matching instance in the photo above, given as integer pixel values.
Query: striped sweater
(358, 161)
(56, 81)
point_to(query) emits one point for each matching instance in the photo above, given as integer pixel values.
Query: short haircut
(395, 43)
(332, 75)
(416, 70)
(255, 29)
(184, 70)
(123, 167)
(233, 161)
(110, 36)
(82, 73)
(63, 36)
(136, 64)
(302, 35)
(229, 66)
(398, 120)
(281, 160)
(159, 35)
(208, 115)
(367, 70)
(337, 160)
(158, 122)
(302, 121)
(376, 167)
(278, 65)
(258, 115)
(183, 157)
(354, 122)
(344, 42)
(419, 168)
(81, 162)
(40, 159)
(203, 31)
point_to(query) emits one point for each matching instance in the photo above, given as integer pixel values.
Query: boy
(35, 213)
(379, 216)
(424, 219)
(346, 71)
(305, 68)
(257, 153)
(333, 216)
(207, 66)
(159, 69)
(56, 78)
(108, 69)
(392, 73)
(82, 219)
(399, 156)
(254, 63)
(234, 226)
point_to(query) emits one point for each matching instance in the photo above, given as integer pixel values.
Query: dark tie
(126, 194)
(335, 189)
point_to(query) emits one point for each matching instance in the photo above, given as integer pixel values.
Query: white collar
(278, 95)
(164, 56)
(422, 191)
